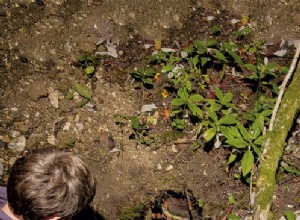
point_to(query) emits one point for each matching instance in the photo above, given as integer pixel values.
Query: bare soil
(40, 42)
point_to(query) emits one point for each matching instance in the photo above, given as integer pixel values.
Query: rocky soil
(40, 42)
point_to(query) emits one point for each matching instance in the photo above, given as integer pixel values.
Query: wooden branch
(273, 149)
(283, 85)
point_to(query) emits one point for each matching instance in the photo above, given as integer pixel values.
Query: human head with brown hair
(49, 185)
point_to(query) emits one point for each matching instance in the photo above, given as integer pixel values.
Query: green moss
(132, 213)
(170, 135)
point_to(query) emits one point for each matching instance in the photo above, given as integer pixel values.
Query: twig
(283, 85)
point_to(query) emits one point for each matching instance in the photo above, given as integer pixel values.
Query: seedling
(145, 75)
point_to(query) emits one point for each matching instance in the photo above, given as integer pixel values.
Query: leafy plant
(89, 63)
(185, 101)
(247, 140)
(145, 75)
(290, 215)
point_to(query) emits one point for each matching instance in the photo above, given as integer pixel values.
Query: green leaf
(195, 109)
(196, 98)
(209, 134)
(231, 200)
(231, 158)
(236, 57)
(204, 60)
(214, 107)
(219, 55)
(210, 42)
(149, 72)
(219, 93)
(237, 143)
(70, 94)
(233, 217)
(178, 101)
(182, 93)
(247, 162)
(195, 60)
(227, 98)
(89, 70)
(148, 81)
(169, 67)
(290, 169)
(135, 122)
(246, 135)
(258, 140)
(200, 46)
(82, 91)
(228, 120)
(250, 67)
(290, 215)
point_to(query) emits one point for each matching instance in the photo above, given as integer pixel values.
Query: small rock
(53, 96)
(18, 144)
(174, 148)
(6, 138)
(159, 167)
(15, 134)
(37, 90)
(79, 126)
(296, 19)
(51, 140)
(169, 168)
(67, 126)
(12, 160)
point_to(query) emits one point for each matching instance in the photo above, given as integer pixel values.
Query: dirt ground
(41, 40)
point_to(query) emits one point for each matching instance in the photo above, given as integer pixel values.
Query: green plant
(233, 217)
(290, 215)
(246, 140)
(145, 75)
(89, 63)
(185, 101)
(142, 132)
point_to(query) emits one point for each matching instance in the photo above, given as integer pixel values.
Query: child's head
(49, 184)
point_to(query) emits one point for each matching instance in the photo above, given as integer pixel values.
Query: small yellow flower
(156, 77)
(165, 94)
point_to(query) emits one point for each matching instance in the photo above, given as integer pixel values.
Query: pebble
(37, 90)
(169, 168)
(159, 167)
(18, 144)
(53, 96)
(12, 160)
(51, 140)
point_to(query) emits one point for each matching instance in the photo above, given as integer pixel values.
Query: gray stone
(18, 144)
(37, 90)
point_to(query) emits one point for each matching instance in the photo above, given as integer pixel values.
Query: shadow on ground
(88, 214)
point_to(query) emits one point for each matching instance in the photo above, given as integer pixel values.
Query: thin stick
(283, 85)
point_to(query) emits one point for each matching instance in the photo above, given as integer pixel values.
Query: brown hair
(48, 184)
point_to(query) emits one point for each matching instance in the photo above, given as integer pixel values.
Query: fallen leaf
(245, 19)
(166, 114)
(82, 91)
